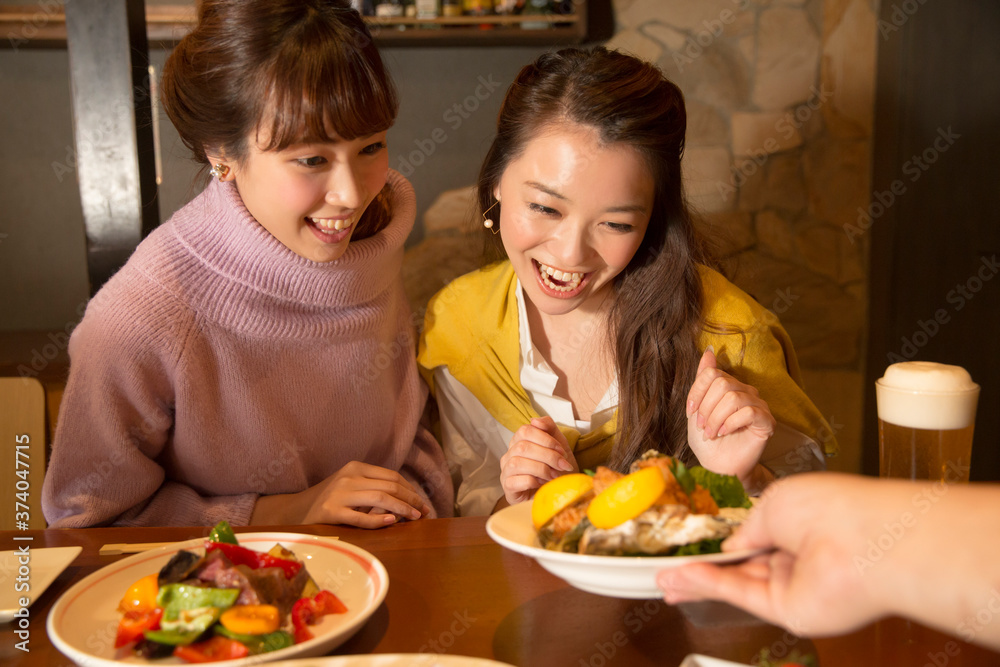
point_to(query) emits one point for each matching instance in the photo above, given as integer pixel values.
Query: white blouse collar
(539, 381)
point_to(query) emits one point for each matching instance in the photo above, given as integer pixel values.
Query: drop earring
(220, 171)
(488, 222)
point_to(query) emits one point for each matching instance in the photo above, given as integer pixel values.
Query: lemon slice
(558, 494)
(627, 498)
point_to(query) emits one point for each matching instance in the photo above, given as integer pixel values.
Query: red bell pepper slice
(254, 559)
(212, 650)
(307, 611)
(134, 623)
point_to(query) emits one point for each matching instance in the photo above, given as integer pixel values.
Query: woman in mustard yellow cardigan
(604, 332)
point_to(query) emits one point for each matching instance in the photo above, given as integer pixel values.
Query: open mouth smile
(558, 283)
(331, 230)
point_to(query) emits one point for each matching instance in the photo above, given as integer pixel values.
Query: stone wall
(780, 97)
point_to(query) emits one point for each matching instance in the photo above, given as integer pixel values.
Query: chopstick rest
(133, 548)
(139, 547)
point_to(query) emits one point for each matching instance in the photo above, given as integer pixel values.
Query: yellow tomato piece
(558, 494)
(251, 619)
(627, 498)
(141, 596)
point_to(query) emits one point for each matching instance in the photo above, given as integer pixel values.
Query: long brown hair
(656, 312)
(293, 71)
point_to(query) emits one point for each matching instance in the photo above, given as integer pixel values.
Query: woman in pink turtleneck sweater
(253, 360)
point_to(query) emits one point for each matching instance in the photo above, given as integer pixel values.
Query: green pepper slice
(223, 532)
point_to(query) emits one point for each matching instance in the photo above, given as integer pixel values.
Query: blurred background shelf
(44, 26)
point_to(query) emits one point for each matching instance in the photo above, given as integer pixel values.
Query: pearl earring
(488, 222)
(220, 171)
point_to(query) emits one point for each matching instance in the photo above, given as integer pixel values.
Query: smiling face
(311, 196)
(573, 214)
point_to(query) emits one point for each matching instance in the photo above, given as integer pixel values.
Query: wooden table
(453, 590)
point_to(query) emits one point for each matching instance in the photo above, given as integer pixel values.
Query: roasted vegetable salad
(230, 602)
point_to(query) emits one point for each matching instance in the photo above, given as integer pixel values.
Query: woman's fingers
(390, 492)
(723, 399)
(532, 442)
(533, 460)
(748, 417)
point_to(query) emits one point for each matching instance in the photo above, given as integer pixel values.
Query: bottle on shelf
(389, 8)
(428, 9)
(478, 7)
(508, 7)
(450, 8)
(537, 8)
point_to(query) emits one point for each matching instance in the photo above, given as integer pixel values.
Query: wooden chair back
(22, 452)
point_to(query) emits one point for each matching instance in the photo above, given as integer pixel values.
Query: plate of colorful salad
(256, 597)
(610, 533)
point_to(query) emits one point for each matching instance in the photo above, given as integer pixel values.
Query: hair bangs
(327, 91)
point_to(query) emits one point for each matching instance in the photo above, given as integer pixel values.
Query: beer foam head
(927, 395)
(927, 376)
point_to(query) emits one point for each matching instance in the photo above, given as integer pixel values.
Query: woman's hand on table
(729, 424)
(537, 453)
(359, 494)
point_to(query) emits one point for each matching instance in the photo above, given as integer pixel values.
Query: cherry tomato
(307, 611)
(213, 650)
(134, 623)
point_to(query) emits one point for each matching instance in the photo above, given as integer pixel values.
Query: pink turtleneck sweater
(217, 366)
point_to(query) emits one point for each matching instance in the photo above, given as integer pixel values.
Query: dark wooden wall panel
(935, 284)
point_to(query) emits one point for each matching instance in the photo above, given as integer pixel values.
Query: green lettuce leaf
(698, 548)
(725, 489)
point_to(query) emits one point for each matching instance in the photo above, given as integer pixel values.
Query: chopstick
(133, 548)
(138, 547)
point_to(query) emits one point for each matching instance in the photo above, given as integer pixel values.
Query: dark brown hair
(292, 71)
(656, 313)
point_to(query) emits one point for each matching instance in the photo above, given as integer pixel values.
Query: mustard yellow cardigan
(471, 327)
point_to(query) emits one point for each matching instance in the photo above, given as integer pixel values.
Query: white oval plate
(614, 576)
(83, 622)
(394, 660)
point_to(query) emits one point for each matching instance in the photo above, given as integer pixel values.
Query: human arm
(115, 420)
(849, 550)
(729, 425)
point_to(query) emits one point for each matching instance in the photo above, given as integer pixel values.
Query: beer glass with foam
(926, 414)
